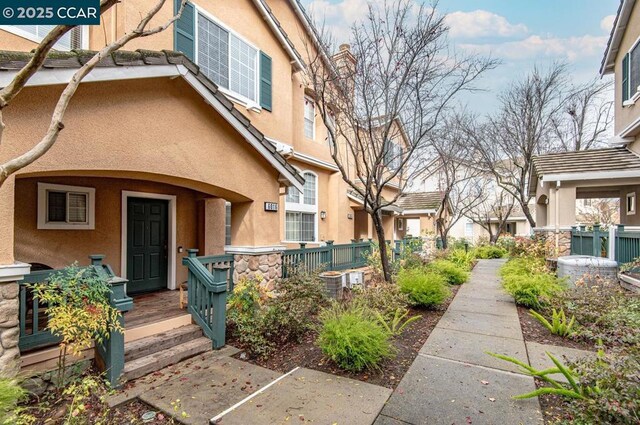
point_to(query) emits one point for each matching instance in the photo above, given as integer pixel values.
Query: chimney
(345, 63)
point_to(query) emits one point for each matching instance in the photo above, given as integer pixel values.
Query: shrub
(424, 288)
(353, 338)
(507, 242)
(454, 274)
(529, 247)
(246, 317)
(488, 252)
(11, 393)
(385, 298)
(78, 310)
(398, 323)
(297, 301)
(529, 282)
(462, 258)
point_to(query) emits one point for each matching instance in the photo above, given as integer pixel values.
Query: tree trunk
(527, 213)
(376, 216)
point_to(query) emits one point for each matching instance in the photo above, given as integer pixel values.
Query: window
(400, 224)
(227, 223)
(631, 203)
(332, 123)
(631, 73)
(468, 230)
(71, 40)
(392, 155)
(66, 207)
(309, 118)
(226, 59)
(302, 211)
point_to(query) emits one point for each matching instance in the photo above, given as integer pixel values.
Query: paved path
(453, 381)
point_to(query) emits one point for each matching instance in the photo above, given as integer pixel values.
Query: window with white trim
(392, 155)
(400, 224)
(66, 207)
(332, 123)
(226, 59)
(631, 74)
(309, 118)
(301, 213)
(227, 223)
(468, 230)
(71, 40)
(631, 203)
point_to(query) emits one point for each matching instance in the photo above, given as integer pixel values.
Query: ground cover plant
(529, 282)
(452, 272)
(485, 252)
(425, 288)
(462, 258)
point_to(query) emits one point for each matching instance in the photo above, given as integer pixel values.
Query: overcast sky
(520, 33)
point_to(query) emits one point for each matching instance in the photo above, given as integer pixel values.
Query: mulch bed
(307, 354)
(534, 331)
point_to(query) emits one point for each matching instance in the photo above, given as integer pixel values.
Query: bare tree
(8, 93)
(585, 117)
(492, 214)
(383, 98)
(521, 129)
(459, 180)
(599, 210)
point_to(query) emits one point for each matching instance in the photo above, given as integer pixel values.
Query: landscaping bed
(534, 331)
(308, 354)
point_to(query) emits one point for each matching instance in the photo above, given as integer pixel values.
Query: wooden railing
(33, 317)
(212, 261)
(627, 246)
(207, 295)
(329, 257)
(624, 248)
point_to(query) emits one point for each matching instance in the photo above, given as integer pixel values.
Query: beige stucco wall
(6, 221)
(627, 114)
(157, 129)
(59, 248)
(629, 219)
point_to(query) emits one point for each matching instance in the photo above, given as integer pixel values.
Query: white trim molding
(416, 212)
(308, 159)
(252, 250)
(619, 174)
(171, 243)
(14, 272)
(43, 207)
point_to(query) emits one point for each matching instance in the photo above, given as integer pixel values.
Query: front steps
(152, 353)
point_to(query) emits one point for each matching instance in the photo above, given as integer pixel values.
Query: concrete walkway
(453, 381)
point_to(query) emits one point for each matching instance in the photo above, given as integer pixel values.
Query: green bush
(424, 288)
(353, 339)
(488, 252)
(453, 273)
(386, 298)
(529, 282)
(11, 393)
(462, 258)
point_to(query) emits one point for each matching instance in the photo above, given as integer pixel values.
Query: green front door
(147, 228)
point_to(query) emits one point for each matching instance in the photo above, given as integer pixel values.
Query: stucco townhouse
(204, 136)
(558, 180)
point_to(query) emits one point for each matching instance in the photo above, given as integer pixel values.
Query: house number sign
(271, 206)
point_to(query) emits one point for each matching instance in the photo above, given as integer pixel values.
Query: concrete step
(152, 344)
(158, 360)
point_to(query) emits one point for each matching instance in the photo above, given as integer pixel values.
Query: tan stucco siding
(60, 248)
(629, 219)
(626, 115)
(155, 129)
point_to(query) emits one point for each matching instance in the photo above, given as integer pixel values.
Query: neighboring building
(217, 148)
(560, 180)
(419, 213)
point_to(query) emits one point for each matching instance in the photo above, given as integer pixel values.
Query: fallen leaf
(492, 399)
(484, 382)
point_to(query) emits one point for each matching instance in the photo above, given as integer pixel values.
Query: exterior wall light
(323, 214)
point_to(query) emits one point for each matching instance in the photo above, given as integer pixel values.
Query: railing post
(96, 260)
(620, 248)
(111, 351)
(572, 249)
(191, 253)
(219, 307)
(611, 254)
(330, 254)
(597, 247)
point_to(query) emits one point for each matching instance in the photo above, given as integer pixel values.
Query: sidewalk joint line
(475, 365)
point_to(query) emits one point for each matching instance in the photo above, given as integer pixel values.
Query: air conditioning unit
(353, 279)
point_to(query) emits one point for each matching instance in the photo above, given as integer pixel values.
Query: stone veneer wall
(564, 242)
(9, 329)
(265, 267)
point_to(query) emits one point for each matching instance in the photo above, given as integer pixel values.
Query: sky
(520, 33)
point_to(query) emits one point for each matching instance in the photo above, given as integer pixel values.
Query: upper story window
(392, 155)
(332, 123)
(239, 68)
(309, 118)
(66, 207)
(631, 74)
(73, 39)
(631, 203)
(302, 211)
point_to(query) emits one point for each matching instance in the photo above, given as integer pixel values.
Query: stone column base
(265, 267)
(563, 247)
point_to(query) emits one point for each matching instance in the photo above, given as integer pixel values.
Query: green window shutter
(625, 77)
(265, 82)
(184, 30)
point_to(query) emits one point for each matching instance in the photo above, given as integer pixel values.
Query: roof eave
(617, 32)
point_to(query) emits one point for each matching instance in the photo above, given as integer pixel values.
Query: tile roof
(420, 201)
(608, 159)
(13, 61)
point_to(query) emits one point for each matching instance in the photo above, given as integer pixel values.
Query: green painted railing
(627, 245)
(589, 242)
(207, 295)
(330, 257)
(33, 317)
(226, 260)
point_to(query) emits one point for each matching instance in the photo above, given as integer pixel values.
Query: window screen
(213, 51)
